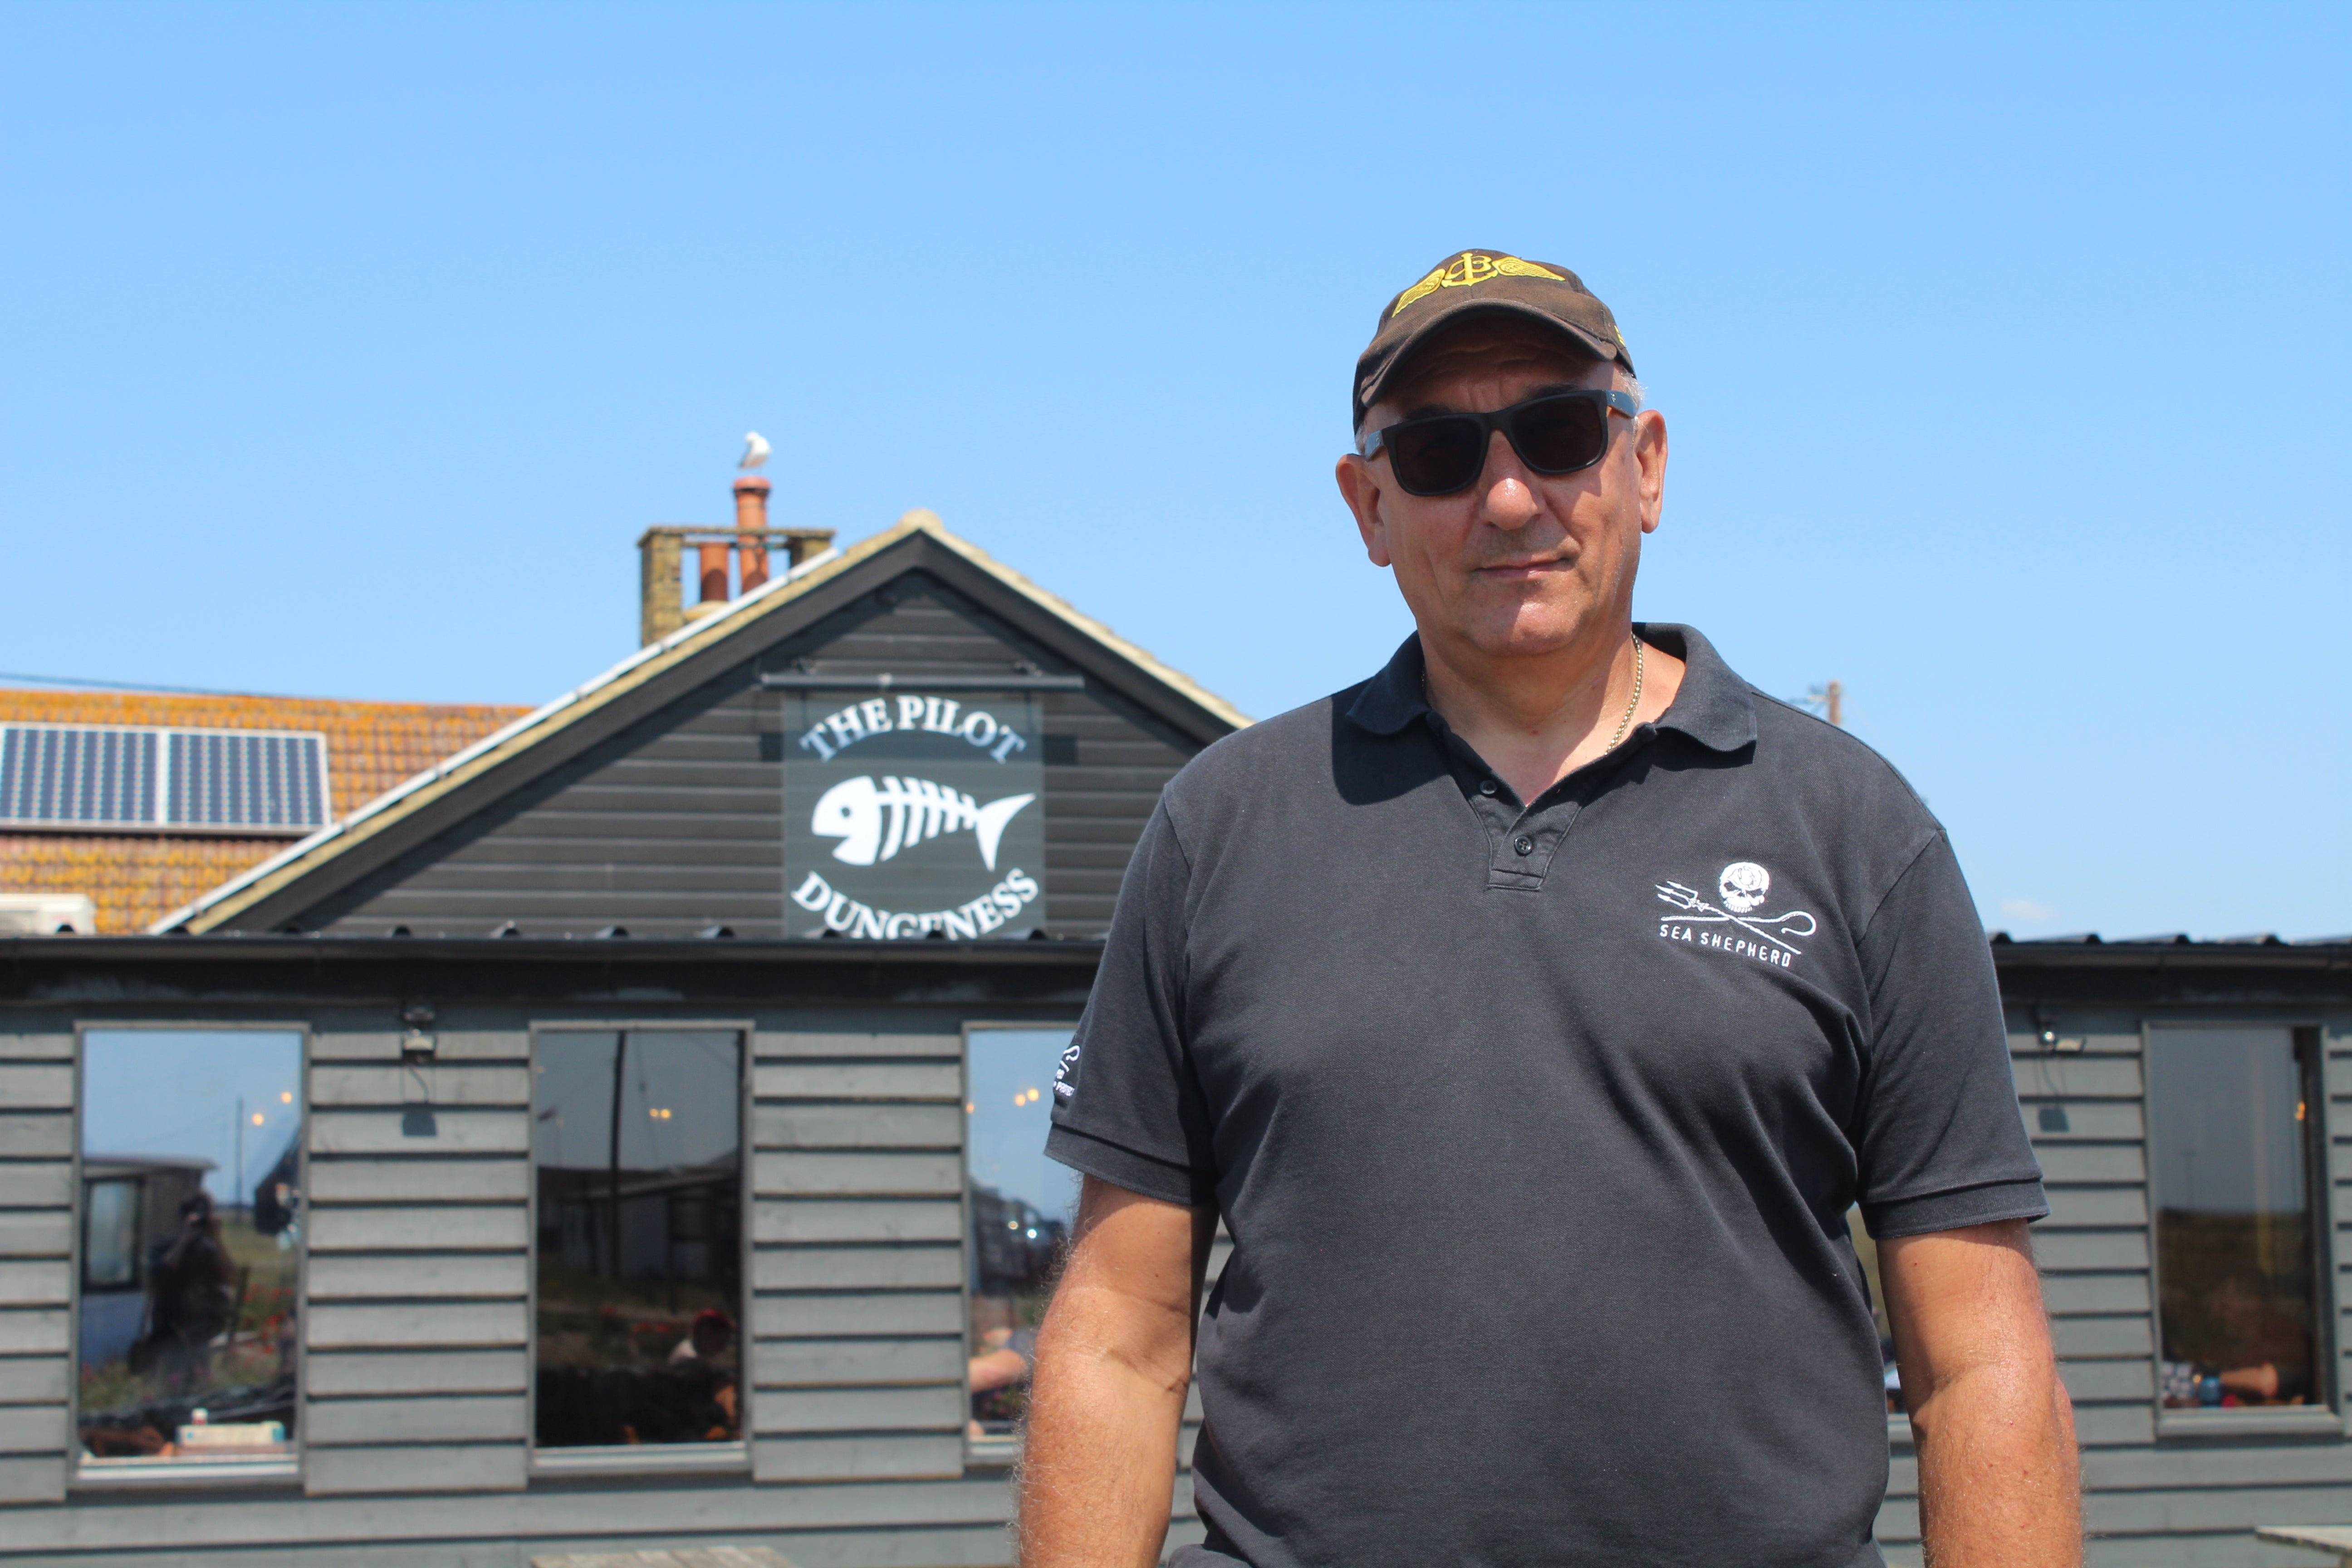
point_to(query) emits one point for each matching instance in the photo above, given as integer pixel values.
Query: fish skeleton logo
(1743, 888)
(877, 821)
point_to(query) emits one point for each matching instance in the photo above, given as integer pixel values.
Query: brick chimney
(661, 587)
(751, 528)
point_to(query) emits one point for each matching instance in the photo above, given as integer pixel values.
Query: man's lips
(1523, 568)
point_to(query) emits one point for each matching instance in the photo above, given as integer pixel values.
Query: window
(1021, 1208)
(2230, 1143)
(91, 775)
(639, 1272)
(190, 1222)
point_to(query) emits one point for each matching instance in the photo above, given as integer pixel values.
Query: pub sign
(912, 811)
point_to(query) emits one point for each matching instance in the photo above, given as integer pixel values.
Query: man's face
(1519, 564)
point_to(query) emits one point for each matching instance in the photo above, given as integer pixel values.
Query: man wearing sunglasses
(1532, 1015)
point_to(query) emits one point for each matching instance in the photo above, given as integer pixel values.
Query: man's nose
(1510, 502)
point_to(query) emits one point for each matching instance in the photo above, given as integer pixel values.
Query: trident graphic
(1689, 898)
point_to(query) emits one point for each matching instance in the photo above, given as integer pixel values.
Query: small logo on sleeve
(1063, 1087)
(1734, 920)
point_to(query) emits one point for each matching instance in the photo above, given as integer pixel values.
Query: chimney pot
(751, 528)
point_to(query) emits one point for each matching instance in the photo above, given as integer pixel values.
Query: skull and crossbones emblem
(1743, 885)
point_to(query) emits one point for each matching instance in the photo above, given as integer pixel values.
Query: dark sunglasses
(1557, 432)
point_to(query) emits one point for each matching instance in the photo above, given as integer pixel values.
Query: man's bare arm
(1998, 1480)
(1113, 1358)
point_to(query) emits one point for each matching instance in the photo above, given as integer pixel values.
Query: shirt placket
(1522, 841)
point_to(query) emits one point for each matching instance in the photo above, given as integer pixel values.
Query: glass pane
(109, 1246)
(640, 1285)
(190, 1156)
(2233, 1238)
(1023, 1206)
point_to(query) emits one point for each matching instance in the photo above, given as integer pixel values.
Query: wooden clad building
(641, 1159)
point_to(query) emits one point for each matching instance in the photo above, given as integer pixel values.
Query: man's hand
(1113, 1358)
(1998, 1480)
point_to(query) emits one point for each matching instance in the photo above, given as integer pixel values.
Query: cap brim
(1402, 354)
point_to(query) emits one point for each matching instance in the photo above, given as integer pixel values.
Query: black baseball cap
(1484, 281)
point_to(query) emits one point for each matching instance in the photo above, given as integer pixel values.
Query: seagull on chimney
(755, 449)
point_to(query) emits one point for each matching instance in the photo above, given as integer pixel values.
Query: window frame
(645, 1458)
(985, 1452)
(289, 1472)
(2327, 1415)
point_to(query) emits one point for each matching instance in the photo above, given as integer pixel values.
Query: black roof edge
(231, 946)
(257, 974)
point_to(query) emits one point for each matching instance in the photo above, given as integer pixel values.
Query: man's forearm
(1099, 1464)
(1998, 1474)
(1999, 1483)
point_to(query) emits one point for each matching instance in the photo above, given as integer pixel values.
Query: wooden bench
(685, 1557)
(2332, 1538)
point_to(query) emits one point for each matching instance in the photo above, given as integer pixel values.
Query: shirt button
(1485, 787)
(1525, 846)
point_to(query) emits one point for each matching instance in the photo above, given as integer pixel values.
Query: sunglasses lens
(1436, 457)
(1561, 434)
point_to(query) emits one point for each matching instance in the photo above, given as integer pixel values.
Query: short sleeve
(1127, 1106)
(1942, 1144)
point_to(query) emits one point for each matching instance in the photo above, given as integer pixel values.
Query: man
(1532, 1014)
(191, 1294)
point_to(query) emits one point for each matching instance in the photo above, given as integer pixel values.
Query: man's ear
(1361, 488)
(1650, 458)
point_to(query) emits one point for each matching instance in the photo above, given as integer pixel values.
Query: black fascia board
(2193, 975)
(123, 975)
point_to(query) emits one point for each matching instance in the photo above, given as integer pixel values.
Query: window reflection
(638, 1140)
(1022, 1208)
(2230, 1146)
(189, 1219)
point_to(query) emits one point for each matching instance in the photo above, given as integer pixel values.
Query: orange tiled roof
(136, 878)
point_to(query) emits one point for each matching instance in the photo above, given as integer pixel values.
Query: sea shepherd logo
(1735, 919)
(910, 815)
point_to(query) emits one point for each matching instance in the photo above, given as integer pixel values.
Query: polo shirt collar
(1713, 708)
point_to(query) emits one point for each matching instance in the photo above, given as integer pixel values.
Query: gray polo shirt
(1535, 1126)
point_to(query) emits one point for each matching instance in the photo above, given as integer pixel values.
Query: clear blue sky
(349, 347)
(180, 1092)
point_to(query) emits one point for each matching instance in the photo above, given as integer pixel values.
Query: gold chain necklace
(1631, 707)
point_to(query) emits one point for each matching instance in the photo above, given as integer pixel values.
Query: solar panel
(221, 778)
(78, 775)
(87, 775)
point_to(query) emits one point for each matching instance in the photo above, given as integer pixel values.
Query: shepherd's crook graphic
(1689, 898)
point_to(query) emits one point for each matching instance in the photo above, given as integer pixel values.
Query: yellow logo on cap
(1473, 266)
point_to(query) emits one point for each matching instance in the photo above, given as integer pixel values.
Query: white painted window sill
(99, 1473)
(642, 1458)
(2256, 1421)
(991, 1453)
